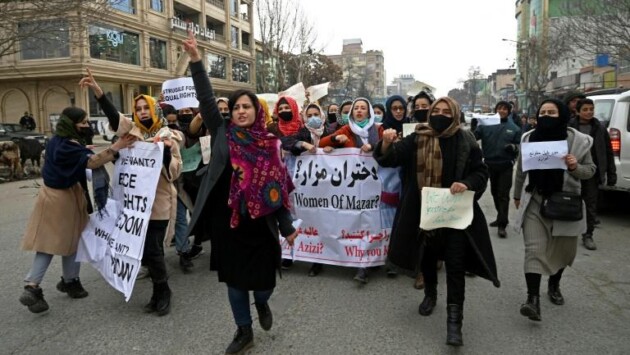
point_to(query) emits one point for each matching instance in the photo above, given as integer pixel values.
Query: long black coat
(601, 151)
(407, 243)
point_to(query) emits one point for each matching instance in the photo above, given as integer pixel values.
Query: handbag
(562, 206)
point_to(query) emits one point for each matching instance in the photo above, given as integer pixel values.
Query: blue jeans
(41, 262)
(239, 301)
(181, 225)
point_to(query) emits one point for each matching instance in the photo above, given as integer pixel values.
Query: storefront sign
(199, 31)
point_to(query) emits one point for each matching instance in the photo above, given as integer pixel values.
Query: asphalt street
(328, 314)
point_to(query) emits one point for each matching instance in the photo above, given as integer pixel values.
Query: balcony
(218, 3)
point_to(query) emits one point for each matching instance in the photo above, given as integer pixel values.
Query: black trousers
(590, 191)
(450, 244)
(500, 185)
(153, 256)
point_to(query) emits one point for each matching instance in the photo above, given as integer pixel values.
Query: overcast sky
(436, 41)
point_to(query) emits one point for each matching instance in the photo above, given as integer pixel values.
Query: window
(128, 6)
(157, 50)
(234, 7)
(157, 5)
(216, 63)
(240, 71)
(115, 45)
(234, 35)
(44, 39)
(113, 93)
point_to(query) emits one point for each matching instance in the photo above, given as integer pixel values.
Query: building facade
(130, 50)
(406, 85)
(363, 72)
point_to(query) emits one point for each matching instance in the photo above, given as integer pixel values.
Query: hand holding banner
(441, 209)
(487, 120)
(544, 155)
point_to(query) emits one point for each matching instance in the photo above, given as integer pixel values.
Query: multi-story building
(406, 85)
(363, 72)
(501, 85)
(132, 49)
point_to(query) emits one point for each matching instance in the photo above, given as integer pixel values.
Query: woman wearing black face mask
(441, 155)
(550, 245)
(421, 104)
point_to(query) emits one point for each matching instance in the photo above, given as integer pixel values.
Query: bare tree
(28, 23)
(596, 27)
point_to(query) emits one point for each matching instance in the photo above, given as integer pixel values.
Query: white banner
(544, 155)
(297, 91)
(337, 197)
(439, 208)
(487, 120)
(113, 241)
(180, 93)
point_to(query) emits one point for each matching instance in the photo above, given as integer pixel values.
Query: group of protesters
(239, 200)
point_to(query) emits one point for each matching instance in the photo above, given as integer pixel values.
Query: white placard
(206, 148)
(180, 93)
(487, 120)
(337, 199)
(440, 208)
(409, 128)
(113, 241)
(544, 155)
(318, 91)
(297, 91)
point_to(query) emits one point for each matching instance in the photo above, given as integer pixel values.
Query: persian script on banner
(441, 209)
(337, 197)
(113, 241)
(544, 155)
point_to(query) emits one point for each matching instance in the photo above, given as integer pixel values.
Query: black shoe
(264, 315)
(531, 308)
(427, 305)
(163, 298)
(362, 276)
(286, 264)
(33, 298)
(243, 340)
(315, 270)
(74, 289)
(587, 240)
(454, 319)
(195, 251)
(555, 296)
(184, 262)
(494, 224)
(502, 233)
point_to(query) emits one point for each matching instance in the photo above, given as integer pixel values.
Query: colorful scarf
(260, 183)
(289, 128)
(156, 116)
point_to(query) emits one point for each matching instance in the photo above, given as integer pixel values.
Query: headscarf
(155, 113)
(291, 127)
(329, 121)
(389, 121)
(429, 157)
(340, 122)
(66, 128)
(265, 108)
(551, 180)
(260, 183)
(316, 133)
(369, 133)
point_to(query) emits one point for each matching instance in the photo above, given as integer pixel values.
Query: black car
(16, 132)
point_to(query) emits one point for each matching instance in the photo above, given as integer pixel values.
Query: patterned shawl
(260, 183)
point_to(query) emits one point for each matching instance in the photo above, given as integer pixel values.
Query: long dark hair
(238, 93)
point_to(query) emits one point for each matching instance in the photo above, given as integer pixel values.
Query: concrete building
(406, 85)
(501, 85)
(131, 50)
(363, 72)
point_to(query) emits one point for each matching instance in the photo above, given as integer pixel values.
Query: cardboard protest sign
(439, 208)
(487, 120)
(190, 157)
(180, 93)
(544, 155)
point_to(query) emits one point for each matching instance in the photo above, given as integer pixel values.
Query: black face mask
(226, 115)
(420, 115)
(185, 118)
(286, 115)
(548, 123)
(332, 117)
(147, 123)
(86, 132)
(440, 122)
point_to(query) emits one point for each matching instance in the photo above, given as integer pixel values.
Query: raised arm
(207, 103)
(113, 116)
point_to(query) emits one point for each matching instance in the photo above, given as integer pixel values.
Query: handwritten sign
(206, 148)
(441, 209)
(114, 244)
(544, 155)
(180, 93)
(408, 128)
(337, 198)
(487, 120)
(190, 157)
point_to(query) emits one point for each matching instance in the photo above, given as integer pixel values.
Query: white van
(613, 110)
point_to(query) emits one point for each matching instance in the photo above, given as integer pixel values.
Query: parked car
(613, 110)
(16, 132)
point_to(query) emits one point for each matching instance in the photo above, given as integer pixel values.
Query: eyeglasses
(398, 108)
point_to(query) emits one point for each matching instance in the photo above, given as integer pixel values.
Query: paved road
(329, 314)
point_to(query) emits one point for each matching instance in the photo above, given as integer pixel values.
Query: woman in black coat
(457, 165)
(244, 195)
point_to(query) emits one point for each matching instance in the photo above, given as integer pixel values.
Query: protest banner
(544, 155)
(408, 128)
(439, 208)
(337, 199)
(487, 120)
(318, 91)
(180, 93)
(113, 241)
(190, 157)
(297, 91)
(206, 148)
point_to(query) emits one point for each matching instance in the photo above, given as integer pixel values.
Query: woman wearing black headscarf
(550, 245)
(396, 113)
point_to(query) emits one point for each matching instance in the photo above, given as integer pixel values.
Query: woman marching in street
(245, 194)
(148, 125)
(61, 210)
(550, 245)
(443, 155)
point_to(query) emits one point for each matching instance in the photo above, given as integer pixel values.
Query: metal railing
(217, 3)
